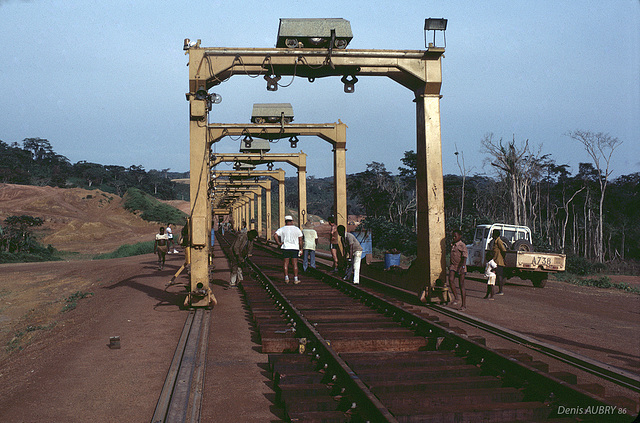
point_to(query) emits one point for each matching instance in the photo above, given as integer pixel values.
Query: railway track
(181, 395)
(340, 353)
(602, 370)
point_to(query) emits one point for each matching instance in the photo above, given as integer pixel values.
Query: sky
(105, 82)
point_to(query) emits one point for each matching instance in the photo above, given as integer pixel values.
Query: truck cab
(515, 237)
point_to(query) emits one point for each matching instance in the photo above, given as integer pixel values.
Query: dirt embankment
(78, 220)
(89, 222)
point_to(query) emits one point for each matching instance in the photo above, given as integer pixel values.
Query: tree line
(587, 214)
(34, 162)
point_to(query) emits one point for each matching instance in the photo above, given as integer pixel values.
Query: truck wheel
(539, 281)
(522, 245)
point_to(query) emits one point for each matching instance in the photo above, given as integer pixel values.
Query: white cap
(288, 217)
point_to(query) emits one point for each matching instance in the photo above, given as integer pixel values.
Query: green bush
(38, 253)
(601, 282)
(623, 267)
(128, 250)
(541, 244)
(579, 265)
(151, 209)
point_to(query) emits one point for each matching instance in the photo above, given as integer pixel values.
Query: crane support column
(259, 213)
(340, 174)
(431, 258)
(280, 204)
(234, 217)
(252, 212)
(268, 223)
(302, 195)
(200, 294)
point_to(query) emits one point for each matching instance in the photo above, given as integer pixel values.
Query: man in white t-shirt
(309, 247)
(289, 238)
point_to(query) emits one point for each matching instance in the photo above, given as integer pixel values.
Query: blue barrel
(391, 260)
(365, 240)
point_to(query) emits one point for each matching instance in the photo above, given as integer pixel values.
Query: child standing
(490, 274)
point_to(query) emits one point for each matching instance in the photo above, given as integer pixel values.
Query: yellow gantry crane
(417, 70)
(278, 175)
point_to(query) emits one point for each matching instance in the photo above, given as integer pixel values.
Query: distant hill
(76, 219)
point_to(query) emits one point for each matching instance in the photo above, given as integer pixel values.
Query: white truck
(520, 259)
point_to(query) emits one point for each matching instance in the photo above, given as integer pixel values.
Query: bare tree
(519, 166)
(566, 217)
(464, 172)
(600, 147)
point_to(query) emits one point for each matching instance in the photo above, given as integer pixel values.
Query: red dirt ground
(75, 220)
(56, 366)
(65, 372)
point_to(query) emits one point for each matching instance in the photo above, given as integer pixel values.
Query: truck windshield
(481, 233)
(510, 235)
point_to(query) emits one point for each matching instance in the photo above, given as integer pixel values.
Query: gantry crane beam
(228, 186)
(277, 174)
(297, 160)
(334, 133)
(420, 71)
(416, 70)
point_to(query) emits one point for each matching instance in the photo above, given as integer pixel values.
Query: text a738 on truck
(520, 259)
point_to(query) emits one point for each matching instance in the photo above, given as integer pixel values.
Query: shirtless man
(458, 268)
(161, 246)
(334, 239)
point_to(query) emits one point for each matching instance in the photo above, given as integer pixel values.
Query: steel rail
(605, 371)
(602, 370)
(367, 401)
(560, 390)
(556, 391)
(181, 395)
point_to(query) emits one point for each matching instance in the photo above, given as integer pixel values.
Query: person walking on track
(353, 252)
(239, 253)
(290, 240)
(161, 247)
(309, 247)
